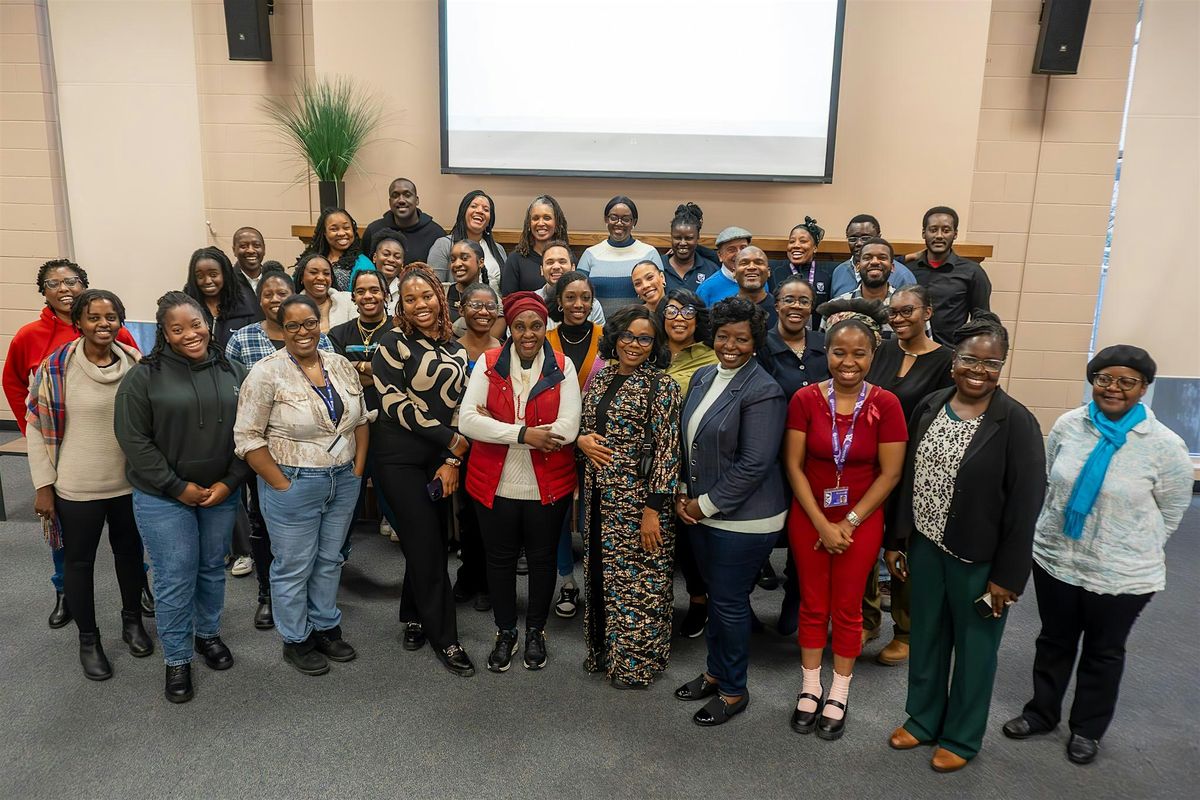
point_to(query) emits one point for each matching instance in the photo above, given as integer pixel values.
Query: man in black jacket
(957, 286)
(404, 214)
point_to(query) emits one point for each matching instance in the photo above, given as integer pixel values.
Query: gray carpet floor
(395, 724)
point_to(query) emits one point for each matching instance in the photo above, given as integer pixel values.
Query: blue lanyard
(324, 392)
(841, 450)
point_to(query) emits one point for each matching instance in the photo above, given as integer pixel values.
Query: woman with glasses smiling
(610, 263)
(910, 366)
(1120, 482)
(974, 479)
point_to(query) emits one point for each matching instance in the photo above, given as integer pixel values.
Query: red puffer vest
(555, 471)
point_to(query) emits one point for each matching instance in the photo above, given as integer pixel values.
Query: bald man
(751, 271)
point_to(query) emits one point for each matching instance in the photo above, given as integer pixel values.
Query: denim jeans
(308, 523)
(187, 545)
(729, 561)
(59, 559)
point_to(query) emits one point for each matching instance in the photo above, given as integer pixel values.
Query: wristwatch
(854, 519)
(454, 461)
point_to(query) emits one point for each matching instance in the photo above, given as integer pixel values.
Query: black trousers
(82, 525)
(426, 596)
(685, 557)
(260, 542)
(505, 528)
(1104, 622)
(473, 569)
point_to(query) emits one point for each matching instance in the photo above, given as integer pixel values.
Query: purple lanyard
(324, 392)
(842, 450)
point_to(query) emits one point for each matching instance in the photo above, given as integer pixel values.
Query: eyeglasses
(628, 338)
(862, 237)
(70, 283)
(992, 365)
(1125, 382)
(788, 300)
(479, 305)
(615, 220)
(308, 325)
(906, 312)
(676, 312)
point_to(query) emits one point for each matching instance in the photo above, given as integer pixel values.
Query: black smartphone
(435, 490)
(984, 605)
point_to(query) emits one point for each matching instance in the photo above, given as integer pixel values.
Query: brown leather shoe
(894, 654)
(868, 634)
(903, 740)
(945, 761)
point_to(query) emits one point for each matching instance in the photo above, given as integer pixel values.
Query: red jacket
(29, 348)
(555, 471)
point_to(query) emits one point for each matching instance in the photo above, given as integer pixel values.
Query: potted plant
(326, 123)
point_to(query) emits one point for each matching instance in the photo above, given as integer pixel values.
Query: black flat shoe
(805, 721)
(264, 617)
(1082, 750)
(696, 689)
(1021, 728)
(624, 685)
(331, 645)
(305, 657)
(414, 636)
(92, 659)
(179, 683)
(718, 712)
(61, 615)
(148, 604)
(134, 634)
(456, 660)
(832, 729)
(767, 579)
(694, 622)
(216, 654)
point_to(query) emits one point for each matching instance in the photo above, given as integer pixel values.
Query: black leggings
(82, 525)
(685, 557)
(260, 542)
(505, 528)
(423, 539)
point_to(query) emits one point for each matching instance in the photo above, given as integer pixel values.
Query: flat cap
(731, 233)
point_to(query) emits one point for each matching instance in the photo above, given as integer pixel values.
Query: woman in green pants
(972, 488)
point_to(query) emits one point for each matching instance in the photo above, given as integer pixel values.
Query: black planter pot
(332, 194)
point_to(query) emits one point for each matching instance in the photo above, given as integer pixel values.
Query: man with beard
(404, 214)
(751, 272)
(859, 230)
(957, 286)
(248, 252)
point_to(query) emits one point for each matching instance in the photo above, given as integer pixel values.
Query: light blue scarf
(1091, 478)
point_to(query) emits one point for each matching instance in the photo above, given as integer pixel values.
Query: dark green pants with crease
(949, 706)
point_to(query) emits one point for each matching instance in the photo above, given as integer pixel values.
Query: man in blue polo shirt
(722, 283)
(859, 230)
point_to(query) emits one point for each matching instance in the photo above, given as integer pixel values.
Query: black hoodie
(420, 236)
(175, 424)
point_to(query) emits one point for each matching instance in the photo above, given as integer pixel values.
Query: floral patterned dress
(629, 591)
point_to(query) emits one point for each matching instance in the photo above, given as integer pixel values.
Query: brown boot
(901, 739)
(945, 761)
(869, 634)
(895, 654)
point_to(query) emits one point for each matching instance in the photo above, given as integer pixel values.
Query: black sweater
(521, 273)
(420, 236)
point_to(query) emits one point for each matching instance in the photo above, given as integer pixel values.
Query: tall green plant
(326, 124)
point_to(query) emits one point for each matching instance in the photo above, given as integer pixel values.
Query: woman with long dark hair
(212, 283)
(544, 223)
(335, 236)
(314, 277)
(474, 222)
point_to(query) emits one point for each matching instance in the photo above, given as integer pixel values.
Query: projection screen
(706, 89)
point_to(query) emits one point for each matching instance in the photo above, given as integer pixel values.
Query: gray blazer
(734, 456)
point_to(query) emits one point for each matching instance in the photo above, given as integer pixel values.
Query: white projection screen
(703, 89)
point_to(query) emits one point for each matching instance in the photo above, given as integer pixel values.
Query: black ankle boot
(147, 602)
(134, 634)
(61, 615)
(179, 683)
(264, 617)
(91, 657)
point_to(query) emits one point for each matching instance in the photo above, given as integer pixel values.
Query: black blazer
(998, 490)
(734, 457)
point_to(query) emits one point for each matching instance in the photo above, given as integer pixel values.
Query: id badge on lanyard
(839, 495)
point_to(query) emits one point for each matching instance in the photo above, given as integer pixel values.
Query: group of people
(696, 408)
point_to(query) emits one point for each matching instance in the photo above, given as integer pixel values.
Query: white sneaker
(242, 565)
(385, 529)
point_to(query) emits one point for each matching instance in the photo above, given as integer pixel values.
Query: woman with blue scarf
(1119, 484)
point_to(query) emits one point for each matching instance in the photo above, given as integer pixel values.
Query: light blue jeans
(308, 523)
(187, 545)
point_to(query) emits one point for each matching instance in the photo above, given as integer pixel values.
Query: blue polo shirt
(845, 279)
(701, 269)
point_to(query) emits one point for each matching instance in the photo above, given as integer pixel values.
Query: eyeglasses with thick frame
(903, 311)
(644, 340)
(480, 305)
(973, 364)
(70, 283)
(676, 312)
(1126, 383)
(309, 325)
(619, 220)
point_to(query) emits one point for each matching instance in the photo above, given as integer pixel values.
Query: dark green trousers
(944, 706)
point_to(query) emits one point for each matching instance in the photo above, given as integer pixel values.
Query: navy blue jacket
(734, 457)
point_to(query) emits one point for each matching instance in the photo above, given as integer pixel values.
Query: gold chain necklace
(369, 333)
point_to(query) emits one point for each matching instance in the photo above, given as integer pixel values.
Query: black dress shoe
(767, 579)
(61, 614)
(805, 721)
(305, 657)
(1082, 750)
(179, 683)
(1022, 728)
(718, 712)
(696, 689)
(456, 660)
(134, 634)
(414, 636)
(264, 617)
(832, 729)
(91, 657)
(148, 605)
(694, 622)
(331, 644)
(216, 654)
(624, 685)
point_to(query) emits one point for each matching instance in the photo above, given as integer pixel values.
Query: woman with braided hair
(802, 260)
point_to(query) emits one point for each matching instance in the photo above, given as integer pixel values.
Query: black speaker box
(248, 30)
(1060, 40)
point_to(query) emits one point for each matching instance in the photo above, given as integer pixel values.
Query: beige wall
(1043, 186)
(33, 214)
(1153, 286)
